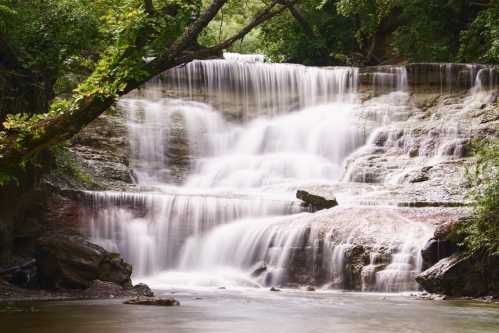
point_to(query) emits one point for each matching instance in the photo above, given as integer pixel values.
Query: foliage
(47, 33)
(371, 12)
(480, 42)
(67, 165)
(284, 38)
(383, 30)
(431, 29)
(482, 231)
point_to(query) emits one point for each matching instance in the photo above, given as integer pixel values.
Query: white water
(256, 88)
(234, 220)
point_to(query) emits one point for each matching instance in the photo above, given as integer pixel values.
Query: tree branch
(262, 16)
(307, 29)
(14, 149)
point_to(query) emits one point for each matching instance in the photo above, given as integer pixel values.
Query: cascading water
(233, 219)
(256, 89)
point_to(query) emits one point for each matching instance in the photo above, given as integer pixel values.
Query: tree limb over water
(117, 73)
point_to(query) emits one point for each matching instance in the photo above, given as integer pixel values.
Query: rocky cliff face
(45, 202)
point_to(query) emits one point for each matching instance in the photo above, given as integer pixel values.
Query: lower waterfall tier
(208, 240)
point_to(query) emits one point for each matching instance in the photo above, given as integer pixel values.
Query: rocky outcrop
(71, 262)
(435, 250)
(452, 273)
(315, 202)
(103, 149)
(442, 244)
(460, 275)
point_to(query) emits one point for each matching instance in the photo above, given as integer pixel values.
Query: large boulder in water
(315, 202)
(71, 262)
(460, 275)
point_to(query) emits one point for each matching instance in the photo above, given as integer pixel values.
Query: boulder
(459, 275)
(258, 269)
(71, 262)
(315, 202)
(142, 289)
(435, 250)
(447, 229)
(153, 301)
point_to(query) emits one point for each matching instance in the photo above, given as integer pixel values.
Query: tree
(138, 30)
(371, 32)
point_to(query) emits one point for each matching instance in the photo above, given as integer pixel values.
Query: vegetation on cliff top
(481, 232)
(370, 32)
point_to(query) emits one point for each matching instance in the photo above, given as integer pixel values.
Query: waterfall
(256, 88)
(214, 202)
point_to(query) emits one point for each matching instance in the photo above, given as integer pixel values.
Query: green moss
(67, 165)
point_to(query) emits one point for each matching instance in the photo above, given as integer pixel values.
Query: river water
(254, 311)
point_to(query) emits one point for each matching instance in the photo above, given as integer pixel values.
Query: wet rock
(258, 269)
(274, 289)
(445, 230)
(304, 265)
(310, 288)
(103, 289)
(460, 275)
(315, 202)
(71, 262)
(103, 150)
(436, 249)
(355, 259)
(153, 301)
(142, 289)
(418, 177)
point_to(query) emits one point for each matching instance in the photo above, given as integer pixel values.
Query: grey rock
(459, 275)
(142, 289)
(436, 249)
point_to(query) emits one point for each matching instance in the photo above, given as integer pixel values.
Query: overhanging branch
(60, 128)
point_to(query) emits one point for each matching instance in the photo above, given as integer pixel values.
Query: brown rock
(315, 202)
(71, 262)
(153, 301)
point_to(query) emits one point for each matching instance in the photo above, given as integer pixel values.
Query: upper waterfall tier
(262, 88)
(243, 86)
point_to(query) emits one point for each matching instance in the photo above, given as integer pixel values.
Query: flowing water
(216, 180)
